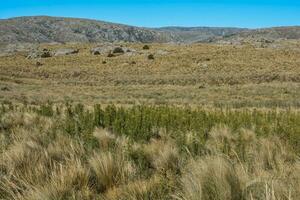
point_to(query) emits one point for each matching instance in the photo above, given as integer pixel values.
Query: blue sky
(155, 13)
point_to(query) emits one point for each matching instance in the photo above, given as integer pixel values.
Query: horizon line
(149, 27)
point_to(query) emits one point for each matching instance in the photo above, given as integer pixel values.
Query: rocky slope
(267, 35)
(200, 34)
(43, 29)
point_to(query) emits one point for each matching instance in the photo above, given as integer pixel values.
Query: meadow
(196, 74)
(197, 122)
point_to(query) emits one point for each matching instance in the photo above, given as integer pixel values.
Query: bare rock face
(65, 52)
(162, 52)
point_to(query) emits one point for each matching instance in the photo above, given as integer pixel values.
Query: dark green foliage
(146, 47)
(141, 123)
(151, 57)
(46, 110)
(118, 50)
(98, 116)
(140, 159)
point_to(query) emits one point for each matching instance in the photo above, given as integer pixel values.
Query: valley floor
(198, 74)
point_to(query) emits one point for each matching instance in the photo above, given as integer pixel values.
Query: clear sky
(157, 13)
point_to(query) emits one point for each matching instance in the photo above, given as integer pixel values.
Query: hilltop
(44, 29)
(267, 35)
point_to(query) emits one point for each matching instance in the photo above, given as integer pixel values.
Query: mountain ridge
(46, 29)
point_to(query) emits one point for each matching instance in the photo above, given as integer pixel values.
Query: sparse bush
(151, 57)
(146, 47)
(119, 50)
(110, 55)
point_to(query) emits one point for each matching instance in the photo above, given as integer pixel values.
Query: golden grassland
(197, 74)
(199, 122)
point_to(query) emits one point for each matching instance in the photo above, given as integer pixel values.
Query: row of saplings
(108, 50)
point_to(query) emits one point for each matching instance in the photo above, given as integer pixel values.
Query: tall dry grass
(242, 166)
(40, 160)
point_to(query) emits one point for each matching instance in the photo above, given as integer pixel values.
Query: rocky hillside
(265, 34)
(200, 34)
(53, 29)
(43, 29)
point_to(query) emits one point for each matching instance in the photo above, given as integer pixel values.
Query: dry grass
(40, 161)
(187, 74)
(242, 167)
(162, 154)
(211, 178)
(59, 151)
(110, 169)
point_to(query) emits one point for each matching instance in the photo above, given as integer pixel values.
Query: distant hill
(44, 29)
(57, 29)
(270, 34)
(200, 34)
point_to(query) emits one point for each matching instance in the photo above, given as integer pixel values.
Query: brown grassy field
(197, 122)
(197, 74)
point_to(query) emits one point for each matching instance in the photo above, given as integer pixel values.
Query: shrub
(110, 55)
(151, 57)
(119, 50)
(146, 47)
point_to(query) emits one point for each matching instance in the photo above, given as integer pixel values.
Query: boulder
(162, 52)
(65, 52)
